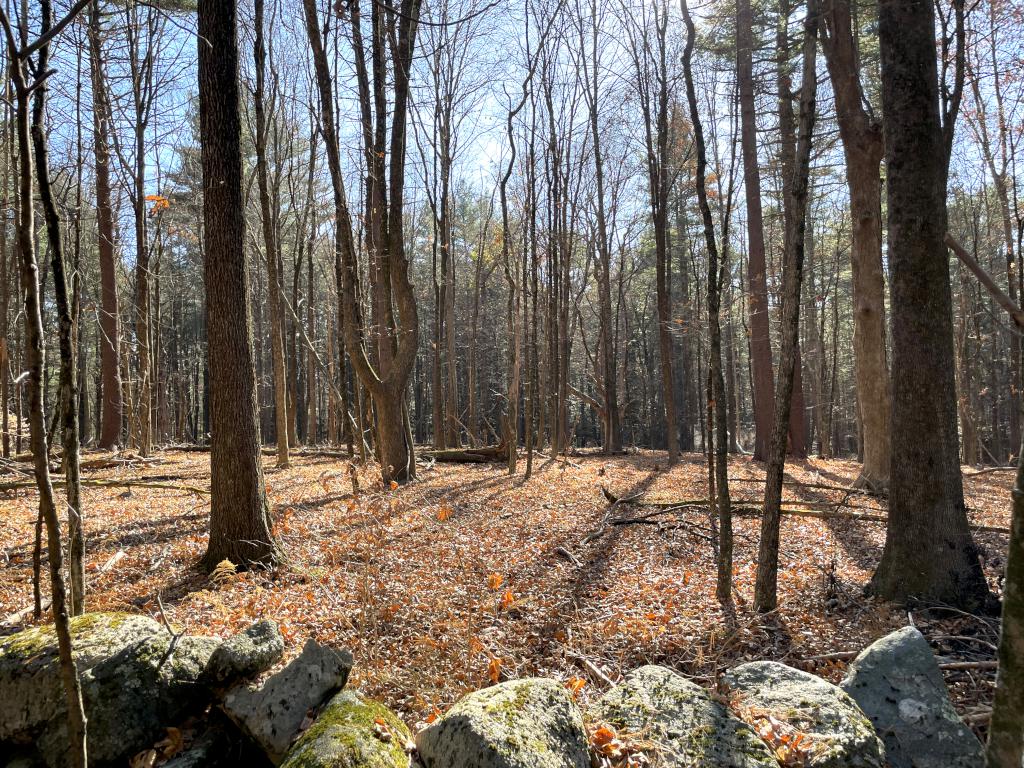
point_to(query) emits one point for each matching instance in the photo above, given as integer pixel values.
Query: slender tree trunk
(25, 233)
(716, 380)
(68, 377)
(760, 339)
(796, 189)
(276, 340)
(112, 410)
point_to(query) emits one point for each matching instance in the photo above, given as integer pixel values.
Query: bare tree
(19, 52)
(796, 189)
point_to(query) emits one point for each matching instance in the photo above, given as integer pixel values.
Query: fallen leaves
(433, 610)
(793, 748)
(618, 749)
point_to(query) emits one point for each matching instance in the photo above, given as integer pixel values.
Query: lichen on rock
(528, 723)
(136, 679)
(688, 727)
(839, 733)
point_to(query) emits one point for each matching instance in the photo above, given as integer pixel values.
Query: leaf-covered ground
(468, 575)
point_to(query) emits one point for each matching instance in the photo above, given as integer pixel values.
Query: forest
(512, 383)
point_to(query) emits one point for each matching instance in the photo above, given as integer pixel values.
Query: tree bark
(717, 398)
(760, 339)
(270, 245)
(861, 135)
(929, 553)
(25, 234)
(796, 190)
(112, 409)
(239, 515)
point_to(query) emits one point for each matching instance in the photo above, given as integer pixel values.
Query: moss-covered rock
(689, 727)
(840, 735)
(135, 680)
(898, 684)
(352, 732)
(529, 723)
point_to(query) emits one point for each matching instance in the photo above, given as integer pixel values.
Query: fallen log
(480, 455)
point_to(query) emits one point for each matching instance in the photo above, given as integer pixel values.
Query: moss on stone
(348, 734)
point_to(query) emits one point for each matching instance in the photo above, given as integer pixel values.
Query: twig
(568, 556)
(593, 669)
(955, 665)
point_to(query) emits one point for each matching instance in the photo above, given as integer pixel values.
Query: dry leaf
(494, 670)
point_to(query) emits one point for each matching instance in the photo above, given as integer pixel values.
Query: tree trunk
(862, 146)
(796, 190)
(67, 403)
(239, 515)
(276, 340)
(1005, 735)
(719, 435)
(760, 340)
(25, 233)
(929, 553)
(112, 409)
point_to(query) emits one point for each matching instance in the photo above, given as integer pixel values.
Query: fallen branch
(743, 508)
(987, 470)
(964, 665)
(103, 483)
(19, 617)
(563, 552)
(604, 527)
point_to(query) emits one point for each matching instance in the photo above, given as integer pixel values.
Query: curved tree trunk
(862, 146)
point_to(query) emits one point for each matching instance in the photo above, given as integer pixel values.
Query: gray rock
(898, 684)
(529, 723)
(135, 681)
(247, 654)
(690, 728)
(272, 713)
(352, 732)
(840, 734)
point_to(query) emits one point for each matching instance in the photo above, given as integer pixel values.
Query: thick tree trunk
(239, 515)
(929, 553)
(1005, 735)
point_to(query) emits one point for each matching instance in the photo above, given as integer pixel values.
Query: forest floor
(468, 575)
